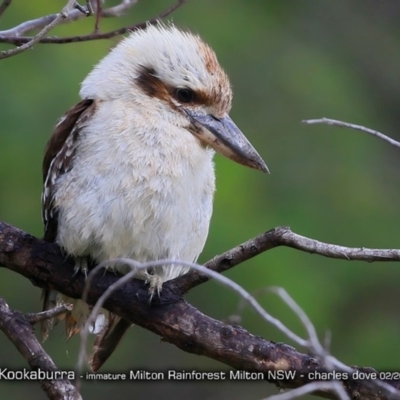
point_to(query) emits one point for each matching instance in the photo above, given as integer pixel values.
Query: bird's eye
(184, 95)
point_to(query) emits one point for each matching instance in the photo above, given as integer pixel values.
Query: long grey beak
(226, 138)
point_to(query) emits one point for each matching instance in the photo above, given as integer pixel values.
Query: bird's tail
(110, 333)
(49, 301)
(74, 319)
(108, 340)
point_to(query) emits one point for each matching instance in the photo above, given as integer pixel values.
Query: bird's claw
(155, 283)
(81, 264)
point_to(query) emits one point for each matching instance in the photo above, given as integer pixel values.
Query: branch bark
(13, 36)
(283, 236)
(58, 18)
(74, 15)
(179, 323)
(19, 331)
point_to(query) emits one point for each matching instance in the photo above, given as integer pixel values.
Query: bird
(128, 172)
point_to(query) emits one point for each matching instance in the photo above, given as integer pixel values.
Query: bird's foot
(81, 264)
(155, 283)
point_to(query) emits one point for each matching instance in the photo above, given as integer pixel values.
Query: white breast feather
(151, 200)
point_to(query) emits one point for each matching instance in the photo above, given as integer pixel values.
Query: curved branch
(342, 124)
(283, 236)
(176, 321)
(19, 330)
(34, 318)
(74, 15)
(58, 18)
(40, 23)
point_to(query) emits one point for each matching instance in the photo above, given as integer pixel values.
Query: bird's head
(181, 73)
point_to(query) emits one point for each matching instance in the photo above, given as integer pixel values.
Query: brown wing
(58, 158)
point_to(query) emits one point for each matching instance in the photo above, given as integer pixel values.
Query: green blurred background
(288, 61)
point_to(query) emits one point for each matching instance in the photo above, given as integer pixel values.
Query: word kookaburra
(128, 171)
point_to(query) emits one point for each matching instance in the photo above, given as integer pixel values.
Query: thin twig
(78, 13)
(97, 16)
(61, 16)
(361, 128)
(19, 331)
(17, 31)
(316, 348)
(4, 6)
(18, 40)
(314, 344)
(34, 318)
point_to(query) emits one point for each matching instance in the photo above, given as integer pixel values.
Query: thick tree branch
(176, 321)
(20, 332)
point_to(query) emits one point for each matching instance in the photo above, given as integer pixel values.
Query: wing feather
(58, 160)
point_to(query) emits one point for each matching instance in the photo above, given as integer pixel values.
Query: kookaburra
(128, 171)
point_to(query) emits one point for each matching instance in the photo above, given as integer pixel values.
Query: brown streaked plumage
(58, 157)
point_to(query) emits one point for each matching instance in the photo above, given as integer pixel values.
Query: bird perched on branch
(128, 171)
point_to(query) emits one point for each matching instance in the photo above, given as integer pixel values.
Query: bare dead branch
(316, 348)
(199, 268)
(170, 316)
(4, 5)
(19, 40)
(39, 23)
(61, 16)
(78, 13)
(19, 331)
(34, 318)
(361, 128)
(283, 236)
(312, 343)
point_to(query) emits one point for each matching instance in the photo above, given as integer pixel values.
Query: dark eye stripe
(153, 86)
